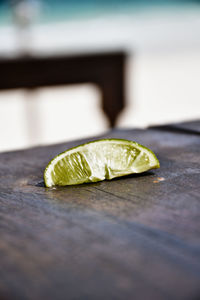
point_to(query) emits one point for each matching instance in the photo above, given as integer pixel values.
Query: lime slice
(99, 160)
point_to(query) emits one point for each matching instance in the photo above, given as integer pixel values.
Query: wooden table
(137, 237)
(105, 69)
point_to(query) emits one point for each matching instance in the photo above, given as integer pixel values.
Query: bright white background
(163, 76)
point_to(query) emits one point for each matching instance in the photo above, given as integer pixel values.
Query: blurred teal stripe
(51, 10)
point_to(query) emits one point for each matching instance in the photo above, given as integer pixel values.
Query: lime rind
(100, 169)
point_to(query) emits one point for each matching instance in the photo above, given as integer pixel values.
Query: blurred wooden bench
(106, 70)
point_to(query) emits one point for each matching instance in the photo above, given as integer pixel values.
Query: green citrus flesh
(97, 161)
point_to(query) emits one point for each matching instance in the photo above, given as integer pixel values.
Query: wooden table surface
(136, 237)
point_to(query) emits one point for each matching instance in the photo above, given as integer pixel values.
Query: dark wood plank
(106, 70)
(136, 237)
(192, 127)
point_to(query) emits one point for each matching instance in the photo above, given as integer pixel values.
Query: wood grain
(136, 237)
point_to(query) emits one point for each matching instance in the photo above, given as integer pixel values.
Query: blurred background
(161, 39)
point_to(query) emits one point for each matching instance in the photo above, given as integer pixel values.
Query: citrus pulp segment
(99, 160)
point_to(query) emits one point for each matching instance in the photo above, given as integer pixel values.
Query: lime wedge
(99, 160)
